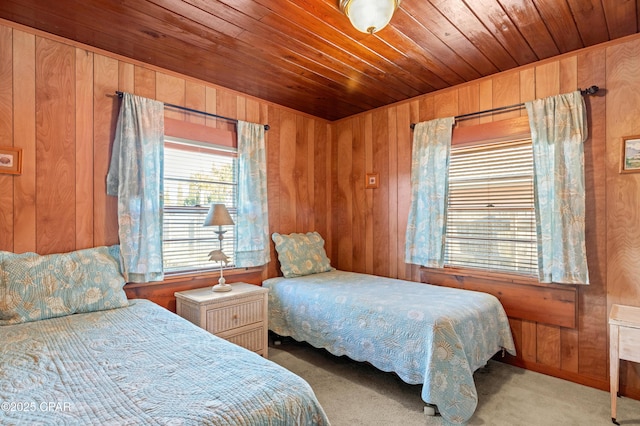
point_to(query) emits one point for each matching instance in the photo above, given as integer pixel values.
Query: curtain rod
(208, 114)
(589, 91)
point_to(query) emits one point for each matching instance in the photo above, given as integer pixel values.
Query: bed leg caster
(276, 339)
(430, 410)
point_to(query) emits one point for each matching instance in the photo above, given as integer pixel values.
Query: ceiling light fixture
(369, 16)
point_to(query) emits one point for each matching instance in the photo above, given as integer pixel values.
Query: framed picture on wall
(630, 154)
(10, 160)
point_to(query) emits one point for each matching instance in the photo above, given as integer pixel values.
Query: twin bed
(75, 351)
(426, 334)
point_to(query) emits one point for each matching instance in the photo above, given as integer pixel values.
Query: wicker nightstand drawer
(239, 316)
(234, 316)
(252, 339)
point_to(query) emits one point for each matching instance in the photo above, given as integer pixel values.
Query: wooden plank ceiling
(305, 54)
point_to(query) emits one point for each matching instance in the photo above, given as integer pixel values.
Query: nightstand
(239, 316)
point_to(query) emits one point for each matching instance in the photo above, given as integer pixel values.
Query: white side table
(624, 338)
(239, 316)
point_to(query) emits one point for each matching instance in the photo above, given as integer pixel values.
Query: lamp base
(222, 287)
(222, 283)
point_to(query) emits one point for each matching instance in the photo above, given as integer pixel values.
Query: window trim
(485, 133)
(495, 131)
(208, 274)
(197, 137)
(202, 133)
(490, 275)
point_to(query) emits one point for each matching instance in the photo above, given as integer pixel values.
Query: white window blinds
(491, 216)
(196, 175)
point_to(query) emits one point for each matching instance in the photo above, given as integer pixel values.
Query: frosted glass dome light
(369, 16)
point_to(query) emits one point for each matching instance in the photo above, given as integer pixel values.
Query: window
(195, 176)
(491, 216)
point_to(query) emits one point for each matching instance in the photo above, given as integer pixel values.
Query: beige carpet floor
(355, 393)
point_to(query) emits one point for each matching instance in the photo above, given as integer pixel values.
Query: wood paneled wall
(368, 231)
(58, 103)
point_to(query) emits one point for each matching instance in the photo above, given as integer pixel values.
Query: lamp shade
(369, 16)
(218, 216)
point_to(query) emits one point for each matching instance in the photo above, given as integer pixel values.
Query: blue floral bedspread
(426, 334)
(142, 365)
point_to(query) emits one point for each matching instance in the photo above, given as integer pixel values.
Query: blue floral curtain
(558, 130)
(429, 188)
(252, 228)
(135, 177)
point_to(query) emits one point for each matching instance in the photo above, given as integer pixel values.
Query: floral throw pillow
(35, 287)
(301, 254)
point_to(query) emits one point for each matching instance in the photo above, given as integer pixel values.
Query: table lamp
(219, 216)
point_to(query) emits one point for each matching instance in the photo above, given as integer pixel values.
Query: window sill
(496, 276)
(523, 298)
(208, 274)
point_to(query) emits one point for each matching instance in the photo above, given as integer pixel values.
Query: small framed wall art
(630, 154)
(10, 160)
